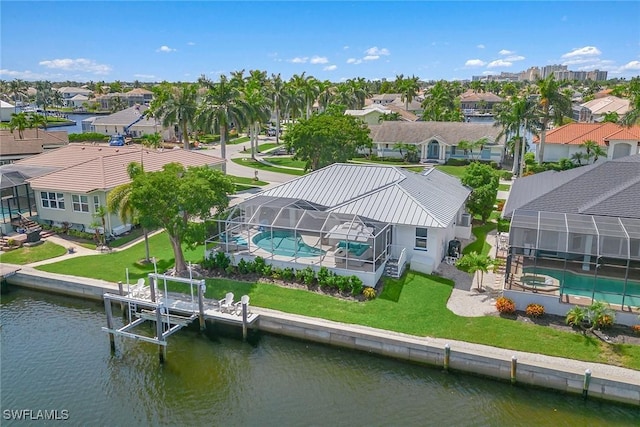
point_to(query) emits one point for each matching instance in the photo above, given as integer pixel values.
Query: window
(96, 203)
(421, 238)
(52, 200)
(80, 203)
(453, 150)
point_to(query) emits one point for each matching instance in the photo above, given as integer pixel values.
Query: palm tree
(117, 104)
(578, 157)
(473, 263)
(257, 103)
(309, 88)
(152, 140)
(514, 116)
(408, 89)
(554, 105)
(472, 145)
(43, 96)
(35, 121)
(100, 221)
(278, 99)
(18, 121)
(176, 104)
(592, 150)
(633, 115)
(18, 89)
(119, 201)
(221, 106)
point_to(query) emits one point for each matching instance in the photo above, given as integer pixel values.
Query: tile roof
(450, 133)
(606, 188)
(471, 96)
(608, 104)
(577, 133)
(82, 169)
(382, 193)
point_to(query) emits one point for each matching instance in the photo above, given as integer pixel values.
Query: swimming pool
(285, 243)
(606, 289)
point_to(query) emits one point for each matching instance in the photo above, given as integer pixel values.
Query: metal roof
(382, 193)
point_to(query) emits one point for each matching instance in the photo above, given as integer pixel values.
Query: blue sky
(333, 40)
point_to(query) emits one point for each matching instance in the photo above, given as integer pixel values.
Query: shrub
(506, 175)
(288, 273)
(505, 305)
(535, 310)
(577, 316)
(209, 263)
(259, 265)
(221, 261)
(356, 285)
(636, 329)
(88, 136)
(230, 270)
(243, 267)
(276, 273)
(500, 205)
(600, 315)
(267, 270)
(308, 276)
(323, 277)
(11, 243)
(342, 283)
(457, 162)
(369, 293)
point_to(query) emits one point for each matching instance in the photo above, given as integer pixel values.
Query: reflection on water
(54, 356)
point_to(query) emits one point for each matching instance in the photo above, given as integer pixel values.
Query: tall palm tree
(222, 105)
(18, 89)
(554, 105)
(516, 115)
(43, 96)
(176, 104)
(309, 88)
(278, 93)
(633, 115)
(475, 263)
(408, 89)
(119, 201)
(18, 121)
(257, 103)
(35, 121)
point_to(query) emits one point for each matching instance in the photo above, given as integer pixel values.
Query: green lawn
(414, 304)
(239, 140)
(243, 180)
(480, 245)
(456, 171)
(504, 187)
(245, 161)
(286, 161)
(27, 255)
(263, 147)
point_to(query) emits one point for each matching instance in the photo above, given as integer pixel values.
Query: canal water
(55, 357)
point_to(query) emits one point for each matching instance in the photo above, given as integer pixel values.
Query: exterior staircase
(391, 268)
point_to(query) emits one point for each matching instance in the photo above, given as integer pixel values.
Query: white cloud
(165, 49)
(79, 64)
(374, 51)
(144, 76)
(474, 63)
(330, 67)
(629, 66)
(371, 57)
(354, 61)
(583, 51)
(319, 60)
(480, 46)
(499, 63)
(514, 58)
(191, 43)
(299, 60)
(346, 47)
(487, 73)
(25, 75)
(506, 52)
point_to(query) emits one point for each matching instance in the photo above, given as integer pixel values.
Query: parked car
(116, 140)
(272, 132)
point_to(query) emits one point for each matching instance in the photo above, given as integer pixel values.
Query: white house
(6, 110)
(352, 219)
(130, 121)
(69, 184)
(618, 141)
(438, 142)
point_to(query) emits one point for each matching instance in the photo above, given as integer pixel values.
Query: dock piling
(514, 367)
(121, 293)
(107, 309)
(201, 290)
(152, 285)
(587, 380)
(160, 333)
(447, 356)
(245, 308)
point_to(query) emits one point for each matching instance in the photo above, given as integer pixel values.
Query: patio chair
(226, 304)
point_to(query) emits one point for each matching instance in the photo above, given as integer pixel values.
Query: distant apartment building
(559, 72)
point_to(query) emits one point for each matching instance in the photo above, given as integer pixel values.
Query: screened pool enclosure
(593, 257)
(295, 233)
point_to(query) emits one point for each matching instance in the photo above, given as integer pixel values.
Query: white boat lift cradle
(171, 312)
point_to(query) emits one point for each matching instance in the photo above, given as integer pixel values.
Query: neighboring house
(414, 107)
(130, 121)
(575, 237)
(129, 99)
(438, 142)
(371, 114)
(6, 110)
(72, 96)
(478, 103)
(33, 142)
(352, 219)
(618, 141)
(69, 184)
(384, 98)
(596, 109)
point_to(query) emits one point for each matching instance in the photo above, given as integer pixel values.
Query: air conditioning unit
(465, 220)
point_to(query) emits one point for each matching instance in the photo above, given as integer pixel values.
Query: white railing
(402, 260)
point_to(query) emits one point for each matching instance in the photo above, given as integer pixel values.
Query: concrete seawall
(607, 382)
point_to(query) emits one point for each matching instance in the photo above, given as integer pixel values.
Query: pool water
(285, 243)
(606, 289)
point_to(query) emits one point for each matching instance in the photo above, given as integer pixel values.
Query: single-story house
(438, 142)
(69, 184)
(76, 101)
(130, 121)
(574, 237)
(596, 109)
(68, 92)
(33, 142)
(6, 110)
(618, 141)
(372, 113)
(351, 219)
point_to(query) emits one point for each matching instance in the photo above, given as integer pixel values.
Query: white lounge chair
(226, 304)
